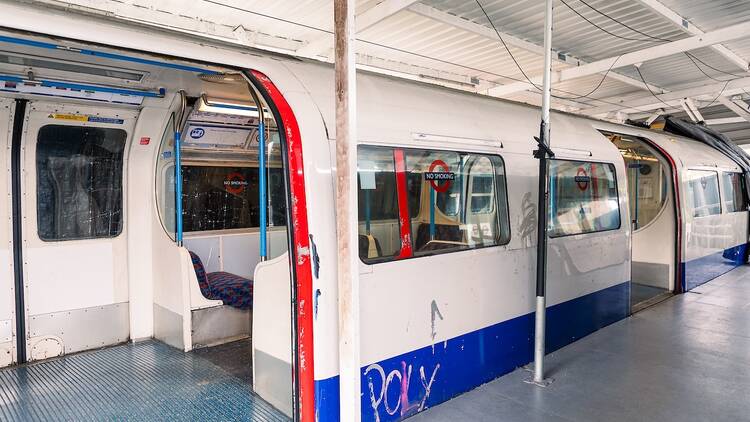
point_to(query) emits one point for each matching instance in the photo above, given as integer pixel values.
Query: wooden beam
(345, 87)
(364, 21)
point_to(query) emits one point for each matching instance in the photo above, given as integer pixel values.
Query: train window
(647, 178)
(379, 234)
(165, 180)
(734, 192)
(583, 198)
(462, 201)
(79, 182)
(703, 192)
(223, 198)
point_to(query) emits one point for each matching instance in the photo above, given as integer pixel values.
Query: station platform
(684, 359)
(140, 381)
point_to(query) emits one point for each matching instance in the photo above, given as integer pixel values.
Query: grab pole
(178, 168)
(542, 153)
(262, 180)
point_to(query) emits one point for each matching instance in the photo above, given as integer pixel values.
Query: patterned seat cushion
(233, 290)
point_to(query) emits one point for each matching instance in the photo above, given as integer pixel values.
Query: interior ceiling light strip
(113, 56)
(82, 87)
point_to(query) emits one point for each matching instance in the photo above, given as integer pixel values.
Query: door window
(79, 182)
(703, 192)
(583, 198)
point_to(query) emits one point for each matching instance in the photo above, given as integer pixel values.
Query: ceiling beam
(691, 29)
(486, 32)
(729, 33)
(364, 20)
(725, 121)
(737, 106)
(643, 103)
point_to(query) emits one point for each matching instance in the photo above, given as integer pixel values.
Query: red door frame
(299, 255)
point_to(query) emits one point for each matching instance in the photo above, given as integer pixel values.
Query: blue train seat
(233, 290)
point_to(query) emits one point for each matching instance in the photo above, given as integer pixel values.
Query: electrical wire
(599, 27)
(637, 69)
(574, 96)
(695, 60)
(654, 38)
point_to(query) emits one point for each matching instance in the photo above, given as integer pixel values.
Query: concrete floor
(684, 359)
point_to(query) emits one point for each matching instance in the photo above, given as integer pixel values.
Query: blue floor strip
(146, 381)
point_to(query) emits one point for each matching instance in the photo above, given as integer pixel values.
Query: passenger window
(79, 182)
(379, 233)
(165, 194)
(703, 192)
(734, 192)
(583, 198)
(224, 198)
(462, 201)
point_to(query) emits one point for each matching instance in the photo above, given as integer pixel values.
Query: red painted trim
(403, 204)
(678, 288)
(301, 252)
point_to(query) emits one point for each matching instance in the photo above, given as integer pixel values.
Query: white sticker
(367, 175)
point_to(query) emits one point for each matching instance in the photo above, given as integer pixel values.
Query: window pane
(583, 198)
(734, 194)
(703, 192)
(79, 182)
(379, 234)
(165, 194)
(461, 201)
(219, 198)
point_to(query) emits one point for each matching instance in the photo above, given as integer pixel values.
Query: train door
(653, 219)
(72, 162)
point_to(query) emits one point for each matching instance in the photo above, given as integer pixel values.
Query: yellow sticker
(71, 117)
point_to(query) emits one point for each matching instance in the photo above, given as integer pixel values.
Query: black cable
(599, 27)
(576, 96)
(622, 23)
(695, 60)
(648, 87)
(720, 93)
(505, 45)
(326, 31)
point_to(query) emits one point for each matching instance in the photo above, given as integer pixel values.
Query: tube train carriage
(106, 241)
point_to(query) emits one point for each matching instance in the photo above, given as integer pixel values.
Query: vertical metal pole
(262, 184)
(432, 213)
(178, 121)
(541, 260)
(346, 211)
(178, 186)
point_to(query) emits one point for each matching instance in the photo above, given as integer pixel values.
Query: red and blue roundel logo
(235, 183)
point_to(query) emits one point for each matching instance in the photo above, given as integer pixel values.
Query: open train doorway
(148, 206)
(653, 220)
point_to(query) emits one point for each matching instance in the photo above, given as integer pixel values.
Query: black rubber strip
(15, 169)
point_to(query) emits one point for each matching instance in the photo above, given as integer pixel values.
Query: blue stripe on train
(701, 270)
(403, 385)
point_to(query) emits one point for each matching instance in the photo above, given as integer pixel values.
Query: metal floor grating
(146, 381)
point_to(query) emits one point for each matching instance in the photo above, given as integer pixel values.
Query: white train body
(434, 325)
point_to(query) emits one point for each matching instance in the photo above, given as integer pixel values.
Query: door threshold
(650, 302)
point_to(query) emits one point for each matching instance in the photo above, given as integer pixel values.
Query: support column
(346, 210)
(542, 154)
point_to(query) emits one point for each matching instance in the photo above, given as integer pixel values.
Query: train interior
(92, 139)
(652, 212)
(451, 200)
